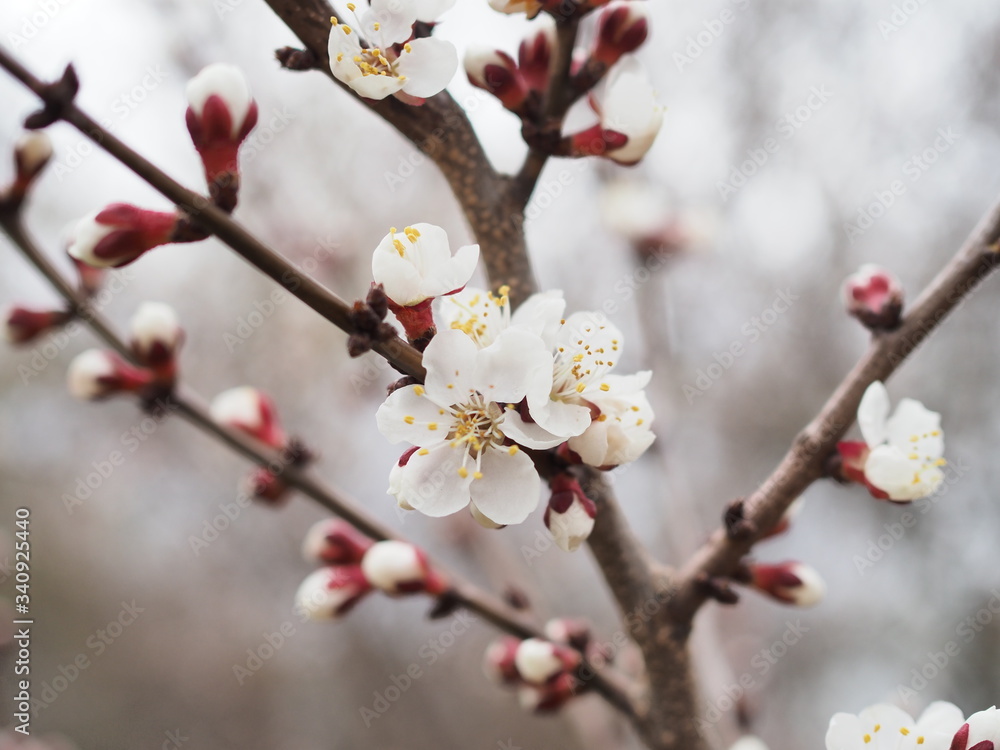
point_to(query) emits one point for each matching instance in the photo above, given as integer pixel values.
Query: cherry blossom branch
(441, 130)
(805, 461)
(192, 408)
(60, 106)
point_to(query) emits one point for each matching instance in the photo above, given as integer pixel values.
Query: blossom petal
(510, 488)
(530, 434)
(430, 10)
(406, 415)
(562, 418)
(516, 362)
(450, 360)
(541, 314)
(914, 427)
(395, 21)
(888, 469)
(430, 482)
(873, 412)
(428, 66)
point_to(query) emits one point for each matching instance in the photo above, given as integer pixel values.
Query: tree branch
(400, 354)
(804, 462)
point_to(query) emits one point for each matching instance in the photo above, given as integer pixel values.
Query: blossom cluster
(499, 383)
(942, 726)
(354, 566)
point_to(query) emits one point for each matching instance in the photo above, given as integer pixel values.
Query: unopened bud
(498, 661)
(594, 141)
(265, 486)
(548, 697)
(97, 374)
(156, 335)
(117, 235)
(789, 582)
(875, 297)
(534, 54)
(570, 514)
(32, 152)
(622, 28)
(330, 593)
(539, 661)
(400, 568)
(251, 411)
(220, 115)
(335, 542)
(22, 325)
(573, 632)
(91, 277)
(496, 72)
(980, 732)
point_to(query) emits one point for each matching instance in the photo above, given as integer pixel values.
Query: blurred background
(856, 95)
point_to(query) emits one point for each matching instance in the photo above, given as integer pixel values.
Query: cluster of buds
(368, 323)
(220, 115)
(355, 565)
(619, 89)
(155, 338)
(542, 671)
(31, 153)
(252, 412)
(874, 296)
(570, 514)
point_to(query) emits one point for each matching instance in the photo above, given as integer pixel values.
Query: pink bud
(32, 152)
(622, 28)
(400, 568)
(539, 661)
(97, 374)
(573, 632)
(91, 278)
(265, 486)
(335, 542)
(22, 325)
(548, 697)
(570, 514)
(789, 582)
(980, 732)
(220, 115)
(117, 235)
(330, 593)
(156, 336)
(853, 457)
(251, 411)
(875, 297)
(594, 141)
(498, 661)
(534, 54)
(496, 72)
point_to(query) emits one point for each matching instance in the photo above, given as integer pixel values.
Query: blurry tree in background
(705, 265)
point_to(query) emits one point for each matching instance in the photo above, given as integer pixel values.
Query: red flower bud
(335, 542)
(875, 297)
(22, 325)
(97, 374)
(117, 235)
(789, 582)
(622, 28)
(496, 72)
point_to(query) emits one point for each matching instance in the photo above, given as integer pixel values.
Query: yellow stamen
(400, 247)
(477, 475)
(512, 450)
(867, 738)
(409, 420)
(423, 452)
(419, 390)
(904, 731)
(432, 426)
(605, 387)
(463, 472)
(581, 387)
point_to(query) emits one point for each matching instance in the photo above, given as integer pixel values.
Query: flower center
(474, 316)
(572, 372)
(475, 425)
(371, 61)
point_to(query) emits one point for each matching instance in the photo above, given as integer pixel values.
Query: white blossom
(906, 449)
(366, 57)
(886, 727)
(458, 418)
(416, 264)
(626, 103)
